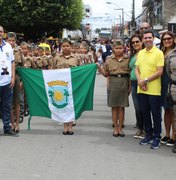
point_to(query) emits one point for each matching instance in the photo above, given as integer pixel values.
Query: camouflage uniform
(38, 62)
(18, 63)
(118, 71)
(60, 61)
(29, 62)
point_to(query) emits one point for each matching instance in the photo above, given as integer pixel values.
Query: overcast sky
(100, 7)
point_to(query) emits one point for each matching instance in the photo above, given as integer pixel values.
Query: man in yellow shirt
(149, 68)
(44, 44)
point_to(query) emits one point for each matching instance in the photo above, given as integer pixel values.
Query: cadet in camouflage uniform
(11, 39)
(66, 60)
(84, 56)
(117, 69)
(27, 63)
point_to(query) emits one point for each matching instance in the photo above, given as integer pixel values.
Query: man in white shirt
(7, 81)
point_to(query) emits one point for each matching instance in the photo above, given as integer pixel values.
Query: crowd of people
(145, 68)
(41, 55)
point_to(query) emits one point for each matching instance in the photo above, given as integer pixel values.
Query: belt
(119, 75)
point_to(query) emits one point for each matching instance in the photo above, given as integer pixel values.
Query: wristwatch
(146, 80)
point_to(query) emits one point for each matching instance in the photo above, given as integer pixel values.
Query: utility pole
(123, 23)
(133, 24)
(151, 13)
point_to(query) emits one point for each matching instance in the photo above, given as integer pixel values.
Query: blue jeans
(137, 106)
(6, 105)
(150, 105)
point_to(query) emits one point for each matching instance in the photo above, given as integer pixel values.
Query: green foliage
(35, 17)
(98, 30)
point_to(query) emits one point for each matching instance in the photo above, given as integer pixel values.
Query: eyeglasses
(135, 42)
(167, 39)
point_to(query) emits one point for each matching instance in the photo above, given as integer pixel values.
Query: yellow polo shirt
(44, 46)
(148, 62)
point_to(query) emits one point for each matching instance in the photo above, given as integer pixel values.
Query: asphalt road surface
(92, 153)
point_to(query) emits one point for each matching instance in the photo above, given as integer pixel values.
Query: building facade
(159, 13)
(86, 25)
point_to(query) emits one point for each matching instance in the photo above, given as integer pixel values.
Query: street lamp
(121, 9)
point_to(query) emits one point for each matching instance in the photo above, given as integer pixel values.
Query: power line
(141, 13)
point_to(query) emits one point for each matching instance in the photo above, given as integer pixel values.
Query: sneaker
(164, 140)
(138, 134)
(170, 143)
(174, 148)
(10, 132)
(146, 140)
(155, 144)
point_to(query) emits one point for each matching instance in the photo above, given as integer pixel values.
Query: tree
(97, 30)
(35, 17)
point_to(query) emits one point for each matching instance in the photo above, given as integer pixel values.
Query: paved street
(43, 153)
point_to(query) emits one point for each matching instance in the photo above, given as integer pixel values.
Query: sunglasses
(167, 39)
(135, 42)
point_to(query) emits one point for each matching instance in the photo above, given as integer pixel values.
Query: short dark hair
(43, 39)
(148, 31)
(11, 35)
(23, 43)
(66, 40)
(118, 43)
(40, 48)
(30, 48)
